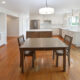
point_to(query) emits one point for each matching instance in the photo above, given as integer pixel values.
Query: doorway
(12, 26)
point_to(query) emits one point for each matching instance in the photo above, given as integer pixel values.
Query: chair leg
(56, 60)
(53, 54)
(33, 58)
(69, 60)
(24, 56)
(20, 60)
(34, 55)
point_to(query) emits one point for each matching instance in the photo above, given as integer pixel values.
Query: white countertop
(36, 30)
(73, 29)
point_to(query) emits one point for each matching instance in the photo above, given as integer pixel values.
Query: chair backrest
(21, 40)
(68, 40)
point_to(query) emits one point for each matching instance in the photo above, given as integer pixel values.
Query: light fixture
(3, 2)
(46, 10)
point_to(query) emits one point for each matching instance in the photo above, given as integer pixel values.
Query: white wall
(12, 26)
(3, 22)
(24, 23)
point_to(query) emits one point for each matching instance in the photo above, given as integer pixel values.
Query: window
(74, 21)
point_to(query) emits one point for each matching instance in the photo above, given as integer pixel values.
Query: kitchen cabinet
(55, 31)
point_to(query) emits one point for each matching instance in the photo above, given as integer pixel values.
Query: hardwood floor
(45, 68)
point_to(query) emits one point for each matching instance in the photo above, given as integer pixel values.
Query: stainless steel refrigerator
(34, 24)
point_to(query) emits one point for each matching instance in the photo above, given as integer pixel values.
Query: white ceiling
(22, 5)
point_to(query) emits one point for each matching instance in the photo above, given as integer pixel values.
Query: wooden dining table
(34, 44)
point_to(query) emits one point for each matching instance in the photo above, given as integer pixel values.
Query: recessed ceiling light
(3, 2)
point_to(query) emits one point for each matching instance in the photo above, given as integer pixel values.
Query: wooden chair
(21, 40)
(68, 41)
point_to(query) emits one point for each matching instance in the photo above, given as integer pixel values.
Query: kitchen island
(39, 33)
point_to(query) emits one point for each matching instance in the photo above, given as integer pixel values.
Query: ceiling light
(46, 10)
(3, 2)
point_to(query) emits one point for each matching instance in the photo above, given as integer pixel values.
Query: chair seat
(28, 53)
(60, 52)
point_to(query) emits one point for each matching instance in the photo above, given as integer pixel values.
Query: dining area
(39, 39)
(58, 47)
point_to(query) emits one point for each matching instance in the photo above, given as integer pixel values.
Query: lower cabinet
(75, 35)
(55, 31)
(41, 34)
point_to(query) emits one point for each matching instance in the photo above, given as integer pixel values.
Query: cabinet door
(60, 32)
(33, 35)
(55, 31)
(63, 33)
(45, 34)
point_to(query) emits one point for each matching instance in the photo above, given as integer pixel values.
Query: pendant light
(46, 10)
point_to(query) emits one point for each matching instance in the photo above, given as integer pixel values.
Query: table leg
(54, 54)
(33, 59)
(34, 55)
(22, 61)
(64, 60)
